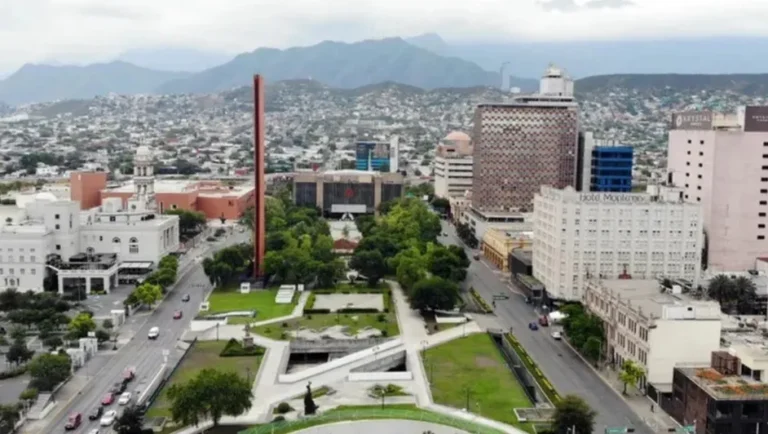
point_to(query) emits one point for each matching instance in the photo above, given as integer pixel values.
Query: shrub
(285, 325)
(310, 302)
(210, 239)
(309, 316)
(283, 408)
(219, 232)
(384, 333)
(13, 372)
(235, 349)
(278, 419)
(29, 394)
(316, 311)
(481, 301)
(381, 317)
(358, 310)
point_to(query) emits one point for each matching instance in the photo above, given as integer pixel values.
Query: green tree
(434, 293)
(18, 352)
(330, 273)
(630, 374)
(148, 294)
(48, 370)
(370, 264)
(81, 324)
(442, 205)
(573, 412)
(9, 417)
(130, 422)
(191, 223)
(722, 289)
(211, 394)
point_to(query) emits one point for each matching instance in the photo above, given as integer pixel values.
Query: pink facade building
(721, 162)
(522, 145)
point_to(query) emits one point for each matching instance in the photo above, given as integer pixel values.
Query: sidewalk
(641, 405)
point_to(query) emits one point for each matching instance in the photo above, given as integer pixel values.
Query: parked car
(73, 421)
(125, 398)
(96, 413)
(557, 336)
(185, 298)
(108, 399)
(108, 418)
(533, 326)
(177, 314)
(154, 332)
(476, 257)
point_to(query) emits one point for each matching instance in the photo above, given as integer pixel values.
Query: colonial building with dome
(48, 243)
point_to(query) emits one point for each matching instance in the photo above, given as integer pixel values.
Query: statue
(248, 339)
(309, 403)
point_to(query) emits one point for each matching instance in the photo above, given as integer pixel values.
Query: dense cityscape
(479, 259)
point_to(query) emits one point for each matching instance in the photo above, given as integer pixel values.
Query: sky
(86, 31)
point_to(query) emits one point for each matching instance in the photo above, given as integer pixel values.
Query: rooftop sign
(756, 119)
(692, 121)
(620, 198)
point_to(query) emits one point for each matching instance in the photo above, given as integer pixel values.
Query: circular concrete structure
(381, 426)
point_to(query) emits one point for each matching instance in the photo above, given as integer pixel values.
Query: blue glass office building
(612, 168)
(373, 156)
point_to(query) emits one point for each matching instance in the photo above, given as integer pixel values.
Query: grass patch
(482, 304)
(397, 411)
(262, 301)
(316, 393)
(473, 366)
(386, 322)
(379, 391)
(204, 354)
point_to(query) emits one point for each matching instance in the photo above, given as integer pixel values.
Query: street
(564, 369)
(145, 355)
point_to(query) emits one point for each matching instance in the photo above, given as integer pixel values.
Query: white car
(154, 332)
(108, 418)
(125, 398)
(557, 336)
(94, 431)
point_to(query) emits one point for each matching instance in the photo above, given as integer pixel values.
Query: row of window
(21, 249)
(22, 271)
(21, 258)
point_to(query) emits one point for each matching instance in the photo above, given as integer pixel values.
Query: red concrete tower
(259, 223)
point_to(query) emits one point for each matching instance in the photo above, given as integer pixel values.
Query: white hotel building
(47, 236)
(578, 236)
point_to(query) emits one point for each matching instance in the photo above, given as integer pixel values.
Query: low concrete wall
(529, 383)
(451, 319)
(382, 364)
(326, 367)
(153, 383)
(303, 346)
(380, 376)
(203, 325)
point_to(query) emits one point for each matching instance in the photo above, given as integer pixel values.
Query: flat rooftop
(161, 186)
(726, 387)
(645, 294)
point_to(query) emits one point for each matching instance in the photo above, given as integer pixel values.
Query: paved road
(562, 367)
(143, 354)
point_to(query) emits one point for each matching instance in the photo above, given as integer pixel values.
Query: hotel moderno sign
(614, 198)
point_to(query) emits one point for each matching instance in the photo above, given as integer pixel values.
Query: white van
(154, 332)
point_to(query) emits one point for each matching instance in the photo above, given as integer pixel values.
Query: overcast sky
(81, 31)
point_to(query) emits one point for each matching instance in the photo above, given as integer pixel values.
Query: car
(94, 431)
(533, 325)
(118, 388)
(108, 399)
(544, 321)
(154, 332)
(177, 315)
(476, 257)
(445, 234)
(185, 298)
(73, 421)
(129, 374)
(125, 398)
(557, 336)
(96, 413)
(108, 418)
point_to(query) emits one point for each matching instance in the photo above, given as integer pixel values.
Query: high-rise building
(522, 145)
(721, 162)
(377, 156)
(604, 165)
(578, 236)
(453, 165)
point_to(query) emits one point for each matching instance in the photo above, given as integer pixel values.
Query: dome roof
(143, 150)
(45, 196)
(457, 136)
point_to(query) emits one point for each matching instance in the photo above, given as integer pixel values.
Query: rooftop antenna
(501, 73)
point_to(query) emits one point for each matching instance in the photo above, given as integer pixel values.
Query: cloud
(111, 11)
(572, 6)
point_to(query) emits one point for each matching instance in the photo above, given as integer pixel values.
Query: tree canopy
(573, 412)
(48, 370)
(209, 395)
(81, 324)
(736, 295)
(191, 223)
(584, 330)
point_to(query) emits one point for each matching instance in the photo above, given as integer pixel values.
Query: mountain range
(336, 64)
(426, 61)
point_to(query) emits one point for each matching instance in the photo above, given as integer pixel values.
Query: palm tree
(746, 295)
(722, 289)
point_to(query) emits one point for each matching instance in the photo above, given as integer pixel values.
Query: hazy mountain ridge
(747, 84)
(35, 83)
(343, 65)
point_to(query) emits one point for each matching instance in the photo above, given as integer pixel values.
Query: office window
(689, 152)
(701, 142)
(763, 202)
(761, 226)
(699, 176)
(58, 246)
(701, 165)
(33, 271)
(761, 237)
(687, 163)
(761, 214)
(57, 227)
(701, 154)
(689, 141)
(764, 179)
(764, 190)
(56, 216)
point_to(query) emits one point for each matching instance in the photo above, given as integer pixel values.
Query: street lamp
(468, 391)
(424, 348)
(217, 332)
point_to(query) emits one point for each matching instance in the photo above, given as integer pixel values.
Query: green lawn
(399, 411)
(262, 301)
(205, 354)
(321, 321)
(474, 366)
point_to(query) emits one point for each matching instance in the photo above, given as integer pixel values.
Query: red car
(108, 399)
(177, 314)
(129, 374)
